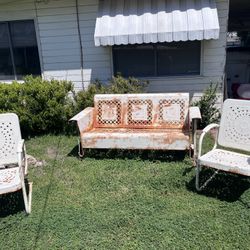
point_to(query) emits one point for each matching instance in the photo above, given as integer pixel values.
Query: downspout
(80, 42)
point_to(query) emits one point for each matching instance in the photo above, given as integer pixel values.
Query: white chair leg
(27, 198)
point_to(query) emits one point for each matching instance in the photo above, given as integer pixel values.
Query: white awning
(152, 21)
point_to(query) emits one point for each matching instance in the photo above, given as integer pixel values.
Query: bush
(85, 98)
(209, 112)
(117, 85)
(42, 106)
(120, 85)
(45, 106)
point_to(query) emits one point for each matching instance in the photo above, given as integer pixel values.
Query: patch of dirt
(52, 152)
(34, 162)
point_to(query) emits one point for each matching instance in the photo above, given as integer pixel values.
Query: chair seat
(9, 180)
(169, 139)
(227, 161)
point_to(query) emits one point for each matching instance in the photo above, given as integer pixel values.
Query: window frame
(38, 43)
(201, 66)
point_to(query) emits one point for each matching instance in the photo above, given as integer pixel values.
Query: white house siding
(59, 46)
(58, 38)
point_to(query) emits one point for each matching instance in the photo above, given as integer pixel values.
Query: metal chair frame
(233, 135)
(13, 160)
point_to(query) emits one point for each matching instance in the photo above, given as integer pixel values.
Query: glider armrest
(84, 119)
(194, 113)
(194, 116)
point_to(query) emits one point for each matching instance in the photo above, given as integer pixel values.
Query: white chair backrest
(10, 136)
(234, 129)
(169, 110)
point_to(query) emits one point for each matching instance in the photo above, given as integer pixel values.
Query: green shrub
(45, 106)
(85, 98)
(120, 85)
(117, 85)
(209, 112)
(42, 106)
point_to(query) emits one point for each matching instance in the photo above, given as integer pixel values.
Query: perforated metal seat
(13, 162)
(233, 134)
(10, 180)
(227, 161)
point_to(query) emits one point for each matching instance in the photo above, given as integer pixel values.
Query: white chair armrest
(194, 113)
(84, 119)
(209, 127)
(21, 152)
(20, 146)
(204, 132)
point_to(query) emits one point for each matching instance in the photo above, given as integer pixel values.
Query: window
(18, 50)
(161, 59)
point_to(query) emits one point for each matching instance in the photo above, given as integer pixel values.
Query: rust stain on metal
(147, 138)
(139, 113)
(123, 114)
(235, 171)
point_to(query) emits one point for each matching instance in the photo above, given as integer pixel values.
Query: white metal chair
(13, 161)
(233, 135)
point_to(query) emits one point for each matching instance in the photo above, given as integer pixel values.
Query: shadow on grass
(152, 155)
(225, 186)
(47, 194)
(12, 203)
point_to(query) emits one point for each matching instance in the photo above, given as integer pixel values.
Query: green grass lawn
(119, 200)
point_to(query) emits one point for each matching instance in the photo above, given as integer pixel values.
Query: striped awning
(152, 21)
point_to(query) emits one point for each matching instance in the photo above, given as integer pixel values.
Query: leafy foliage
(46, 106)
(120, 85)
(42, 106)
(207, 104)
(117, 85)
(85, 98)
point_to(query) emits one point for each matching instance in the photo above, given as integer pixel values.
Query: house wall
(237, 68)
(56, 23)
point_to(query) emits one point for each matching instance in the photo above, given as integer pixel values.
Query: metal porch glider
(138, 121)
